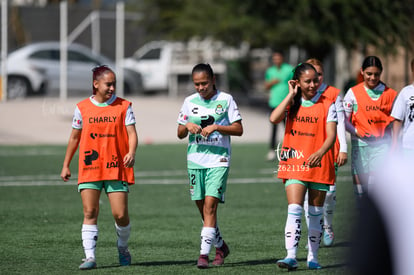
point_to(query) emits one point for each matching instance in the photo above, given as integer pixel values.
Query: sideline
(52, 181)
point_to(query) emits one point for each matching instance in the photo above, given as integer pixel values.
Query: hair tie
(294, 69)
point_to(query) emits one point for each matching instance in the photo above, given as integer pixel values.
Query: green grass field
(41, 216)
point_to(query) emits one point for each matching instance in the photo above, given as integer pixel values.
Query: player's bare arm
(129, 159)
(70, 151)
(183, 130)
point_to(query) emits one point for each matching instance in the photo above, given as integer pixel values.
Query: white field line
(31, 152)
(144, 177)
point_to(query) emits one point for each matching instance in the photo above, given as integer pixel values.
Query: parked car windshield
(76, 56)
(46, 54)
(55, 55)
(151, 54)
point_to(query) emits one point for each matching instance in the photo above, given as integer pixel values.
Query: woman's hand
(206, 131)
(65, 174)
(193, 128)
(342, 158)
(314, 160)
(129, 160)
(293, 87)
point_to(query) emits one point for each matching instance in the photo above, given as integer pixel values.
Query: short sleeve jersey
(77, 116)
(403, 110)
(215, 150)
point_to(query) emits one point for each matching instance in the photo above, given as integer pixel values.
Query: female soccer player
(209, 117)
(306, 159)
(367, 109)
(340, 153)
(104, 129)
(403, 126)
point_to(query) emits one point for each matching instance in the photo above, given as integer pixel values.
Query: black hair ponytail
(297, 72)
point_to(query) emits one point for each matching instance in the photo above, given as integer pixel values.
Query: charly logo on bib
(219, 109)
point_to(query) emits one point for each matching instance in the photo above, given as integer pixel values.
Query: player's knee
(90, 213)
(121, 219)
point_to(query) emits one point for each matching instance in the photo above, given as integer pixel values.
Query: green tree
(313, 25)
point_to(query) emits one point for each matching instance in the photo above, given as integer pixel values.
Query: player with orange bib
(104, 130)
(306, 161)
(340, 153)
(368, 108)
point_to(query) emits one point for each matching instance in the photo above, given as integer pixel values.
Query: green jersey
(280, 90)
(215, 150)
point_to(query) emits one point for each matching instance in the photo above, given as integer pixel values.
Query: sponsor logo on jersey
(90, 156)
(95, 135)
(206, 121)
(202, 140)
(375, 108)
(299, 133)
(411, 114)
(77, 121)
(113, 163)
(371, 121)
(183, 117)
(104, 119)
(306, 119)
(348, 105)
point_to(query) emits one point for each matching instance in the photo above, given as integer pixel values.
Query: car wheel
(17, 87)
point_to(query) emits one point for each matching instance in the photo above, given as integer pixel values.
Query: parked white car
(23, 79)
(153, 61)
(35, 68)
(164, 64)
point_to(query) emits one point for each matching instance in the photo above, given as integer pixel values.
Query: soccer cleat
(88, 263)
(328, 238)
(289, 263)
(202, 261)
(221, 253)
(314, 265)
(124, 256)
